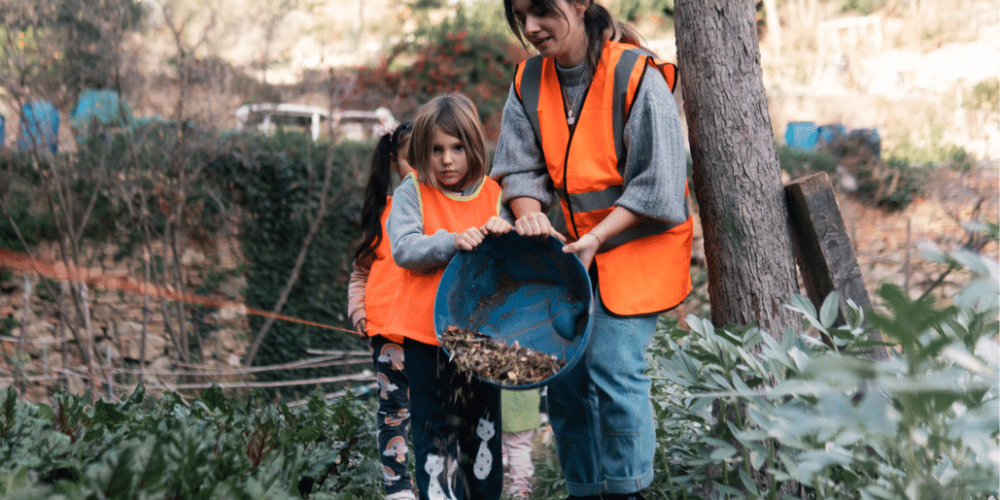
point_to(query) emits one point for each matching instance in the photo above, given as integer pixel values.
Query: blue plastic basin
(520, 289)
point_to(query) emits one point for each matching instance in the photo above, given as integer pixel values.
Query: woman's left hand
(496, 225)
(585, 248)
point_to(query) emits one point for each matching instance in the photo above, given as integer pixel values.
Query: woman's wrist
(600, 241)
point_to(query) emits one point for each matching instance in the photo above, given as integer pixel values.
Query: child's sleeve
(356, 293)
(411, 248)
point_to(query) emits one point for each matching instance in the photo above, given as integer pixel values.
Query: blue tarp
(802, 135)
(3, 130)
(830, 133)
(39, 126)
(101, 106)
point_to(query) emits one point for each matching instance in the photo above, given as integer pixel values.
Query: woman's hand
(585, 248)
(469, 239)
(496, 225)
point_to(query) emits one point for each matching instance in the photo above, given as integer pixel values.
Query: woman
(592, 118)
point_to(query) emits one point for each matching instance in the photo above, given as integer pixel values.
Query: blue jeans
(600, 411)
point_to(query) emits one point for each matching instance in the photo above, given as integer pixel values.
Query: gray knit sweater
(656, 166)
(411, 248)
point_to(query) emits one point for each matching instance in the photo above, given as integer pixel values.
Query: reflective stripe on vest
(439, 210)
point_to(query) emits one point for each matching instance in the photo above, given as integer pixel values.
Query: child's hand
(469, 239)
(361, 326)
(585, 248)
(496, 225)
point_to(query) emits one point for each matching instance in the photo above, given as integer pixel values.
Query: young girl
(452, 207)
(370, 305)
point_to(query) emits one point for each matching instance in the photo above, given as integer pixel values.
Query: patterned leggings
(393, 413)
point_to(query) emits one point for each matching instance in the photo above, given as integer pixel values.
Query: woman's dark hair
(598, 24)
(377, 191)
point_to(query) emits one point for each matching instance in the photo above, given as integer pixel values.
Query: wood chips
(505, 364)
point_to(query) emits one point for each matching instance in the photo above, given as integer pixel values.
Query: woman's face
(556, 33)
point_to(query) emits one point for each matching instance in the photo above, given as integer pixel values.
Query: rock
(132, 346)
(226, 340)
(233, 287)
(161, 364)
(38, 330)
(192, 258)
(227, 314)
(233, 360)
(128, 329)
(101, 313)
(103, 348)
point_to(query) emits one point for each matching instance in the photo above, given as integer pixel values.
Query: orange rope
(63, 272)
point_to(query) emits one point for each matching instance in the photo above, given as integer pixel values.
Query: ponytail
(600, 26)
(375, 201)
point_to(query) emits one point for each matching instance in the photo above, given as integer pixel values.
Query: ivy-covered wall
(169, 194)
(278, 181)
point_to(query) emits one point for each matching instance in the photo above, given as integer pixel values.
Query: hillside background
(922, 72)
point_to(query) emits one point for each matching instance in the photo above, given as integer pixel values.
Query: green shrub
(923, 424)
(891, 185)
(798, 161)
(985, 95)
(212, 447)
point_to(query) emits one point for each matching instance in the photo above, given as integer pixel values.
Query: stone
(101, 313)
(132, 346)
(103, 348)
(128, 329)
(226, 340)
(192, 258)
(233, 287)
(161, 364)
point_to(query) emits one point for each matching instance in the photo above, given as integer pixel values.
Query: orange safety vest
(646, 268)
(453, 213)
(384, 280)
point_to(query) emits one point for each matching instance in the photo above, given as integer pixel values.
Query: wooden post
(823, 249)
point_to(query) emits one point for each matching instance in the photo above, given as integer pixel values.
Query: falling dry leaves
(505, 364)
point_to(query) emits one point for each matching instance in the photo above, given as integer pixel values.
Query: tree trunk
(737, 178)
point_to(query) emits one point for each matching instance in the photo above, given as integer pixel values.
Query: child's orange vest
(439, 210)
(646, 268)
(384, 280)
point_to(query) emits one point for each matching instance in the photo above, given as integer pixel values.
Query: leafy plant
(798, 161)
(822, 421)
(212, 447)
(892, 185)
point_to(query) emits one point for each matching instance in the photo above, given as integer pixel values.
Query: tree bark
(737, 177)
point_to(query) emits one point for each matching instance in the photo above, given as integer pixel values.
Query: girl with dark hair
(448, 205)
(371, 297)
(592, 119)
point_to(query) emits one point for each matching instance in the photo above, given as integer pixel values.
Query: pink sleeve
(356, 293)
